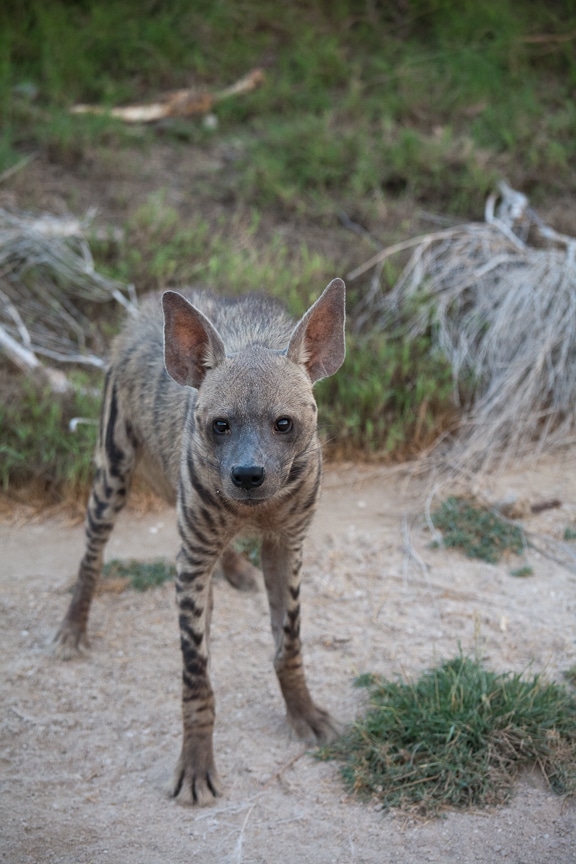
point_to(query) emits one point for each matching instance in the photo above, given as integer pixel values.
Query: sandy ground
(87, 747)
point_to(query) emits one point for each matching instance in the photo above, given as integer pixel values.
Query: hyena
(217, 407)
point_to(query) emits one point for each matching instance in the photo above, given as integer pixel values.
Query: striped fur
(218, 412)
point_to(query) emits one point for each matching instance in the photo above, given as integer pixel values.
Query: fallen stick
(27, 362)
(178, 103)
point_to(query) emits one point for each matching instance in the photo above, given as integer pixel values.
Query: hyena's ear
(318, 342)
(192, 345)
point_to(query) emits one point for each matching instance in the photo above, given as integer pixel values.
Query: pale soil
(88, 746)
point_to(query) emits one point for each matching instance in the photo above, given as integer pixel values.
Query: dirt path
(87, 747)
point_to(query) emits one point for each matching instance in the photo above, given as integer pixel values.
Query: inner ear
(192, 345)
(318, 341)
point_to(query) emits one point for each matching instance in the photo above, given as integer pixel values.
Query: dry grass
(503, 312)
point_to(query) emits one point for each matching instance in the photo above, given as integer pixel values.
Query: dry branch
(46, 268)
(178, 103)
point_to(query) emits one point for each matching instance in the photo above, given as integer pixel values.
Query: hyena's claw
(316, 726)
(198, 787)
(68, 642)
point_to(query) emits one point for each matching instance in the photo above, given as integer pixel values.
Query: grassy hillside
(371, 114)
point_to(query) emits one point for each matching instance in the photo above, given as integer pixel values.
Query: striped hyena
(219, 412)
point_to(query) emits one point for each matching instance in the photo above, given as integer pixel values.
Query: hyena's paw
(69, 642)
(315, 725)
(238, 571)
(196, 783)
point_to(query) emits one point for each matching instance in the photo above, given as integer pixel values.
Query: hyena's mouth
(249, 498)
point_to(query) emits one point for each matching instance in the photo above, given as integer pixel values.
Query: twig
(9, 172)
(240, 840)
(358, 229)
(284, 768)
(22, 357)
(393, 250)
(410, 552)
(179, 103)
(546, 38)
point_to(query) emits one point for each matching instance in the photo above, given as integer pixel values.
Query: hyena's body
(236, 448)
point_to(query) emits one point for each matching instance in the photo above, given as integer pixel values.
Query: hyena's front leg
(196, 780)
(281, 563)
(115, 457)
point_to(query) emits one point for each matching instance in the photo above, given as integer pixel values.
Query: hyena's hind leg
(238, 571)
(115, 460)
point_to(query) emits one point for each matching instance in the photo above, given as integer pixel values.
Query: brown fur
(221, 417)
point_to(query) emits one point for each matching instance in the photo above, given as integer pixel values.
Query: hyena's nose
(248, 476)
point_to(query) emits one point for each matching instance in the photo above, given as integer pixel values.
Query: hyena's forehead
(255, 381)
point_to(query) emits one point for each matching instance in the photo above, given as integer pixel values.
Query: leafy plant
(457, 737)
(477, 531)
(391, 397)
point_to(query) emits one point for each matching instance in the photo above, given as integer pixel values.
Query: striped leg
(115, 458)
(281, 562)
(203, 531)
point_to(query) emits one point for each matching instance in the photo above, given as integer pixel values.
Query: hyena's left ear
(318, 342)
(192, 345)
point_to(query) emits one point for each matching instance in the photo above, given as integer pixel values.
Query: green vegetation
(37, 447)
(372, 109)
(139, 575)
(457, 737)
(158, 250)
(427, 98)
(477, 531)
(391, 397)
(522, 572)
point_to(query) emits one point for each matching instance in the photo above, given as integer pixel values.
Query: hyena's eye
(220, 426)
(283, 424)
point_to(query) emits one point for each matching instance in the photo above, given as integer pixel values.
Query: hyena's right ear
(318, 342)
(192, 345)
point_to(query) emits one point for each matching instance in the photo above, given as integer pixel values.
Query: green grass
(477, 531)
(158, 250)
(392, 397)
(457, 737)
(37, 448)
(522, 572)
(139, 575)
(430, 98)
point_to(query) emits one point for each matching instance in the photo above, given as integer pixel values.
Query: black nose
(247, 476)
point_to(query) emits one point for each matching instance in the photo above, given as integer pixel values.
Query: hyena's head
(255, 414)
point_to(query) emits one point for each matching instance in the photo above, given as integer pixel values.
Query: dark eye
(283, 425)
(220, 426)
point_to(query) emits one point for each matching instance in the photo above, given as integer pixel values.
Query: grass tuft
(457, 737)
(139, 575)
(477, 531)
